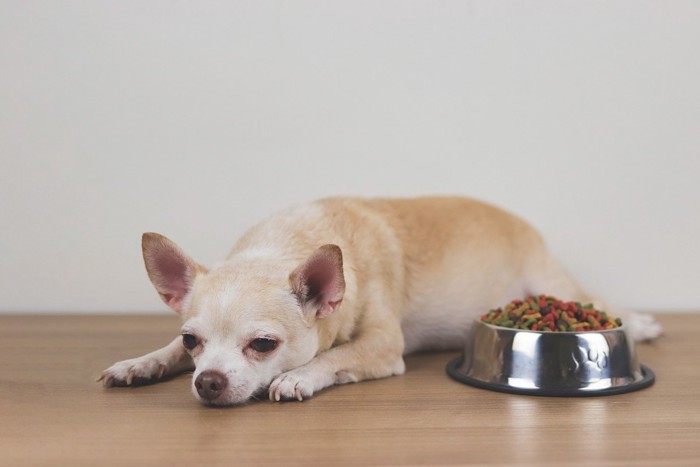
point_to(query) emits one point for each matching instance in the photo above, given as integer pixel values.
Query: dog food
(545, 313)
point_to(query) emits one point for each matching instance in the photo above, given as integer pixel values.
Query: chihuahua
(338, 291)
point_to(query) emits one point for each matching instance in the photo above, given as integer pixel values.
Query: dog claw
(107, 382)
(161, 371)
(297, 392)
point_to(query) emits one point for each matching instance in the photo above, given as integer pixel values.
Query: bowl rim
(619, 328)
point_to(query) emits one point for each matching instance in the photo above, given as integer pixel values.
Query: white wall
(198, 118)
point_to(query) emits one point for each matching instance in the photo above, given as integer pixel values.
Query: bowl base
(647, 380)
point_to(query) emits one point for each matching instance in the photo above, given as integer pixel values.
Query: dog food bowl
(591, 363)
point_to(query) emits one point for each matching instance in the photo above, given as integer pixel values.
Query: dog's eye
(189, 341)
(263, 345)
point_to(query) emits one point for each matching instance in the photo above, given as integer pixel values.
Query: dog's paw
(296, 384)
(133, 372)
(643, 327)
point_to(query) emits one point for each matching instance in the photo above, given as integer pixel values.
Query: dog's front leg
(171, 360)
(376, 353)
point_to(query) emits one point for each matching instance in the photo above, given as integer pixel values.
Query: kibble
(546, 313)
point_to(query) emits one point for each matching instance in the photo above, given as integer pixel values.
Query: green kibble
(530, 322)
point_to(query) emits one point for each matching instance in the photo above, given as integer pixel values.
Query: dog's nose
(210, 384)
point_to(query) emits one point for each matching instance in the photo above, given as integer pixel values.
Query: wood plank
(53, 413)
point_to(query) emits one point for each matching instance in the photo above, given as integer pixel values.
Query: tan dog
(338, 291)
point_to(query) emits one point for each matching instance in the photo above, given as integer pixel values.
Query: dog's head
(248, 320)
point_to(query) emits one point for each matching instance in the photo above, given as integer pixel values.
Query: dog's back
(436, 261)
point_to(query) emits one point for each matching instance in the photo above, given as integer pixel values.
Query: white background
(198, 118)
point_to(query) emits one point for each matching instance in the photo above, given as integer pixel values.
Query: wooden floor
(53, 413)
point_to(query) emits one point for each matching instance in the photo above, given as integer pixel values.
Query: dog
(338, 291)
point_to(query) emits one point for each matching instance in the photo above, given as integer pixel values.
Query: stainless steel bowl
(591, 363)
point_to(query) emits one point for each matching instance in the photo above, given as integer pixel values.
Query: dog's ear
(171, 271)
(318, 283)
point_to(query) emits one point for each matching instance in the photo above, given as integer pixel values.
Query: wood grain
(53, 413)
